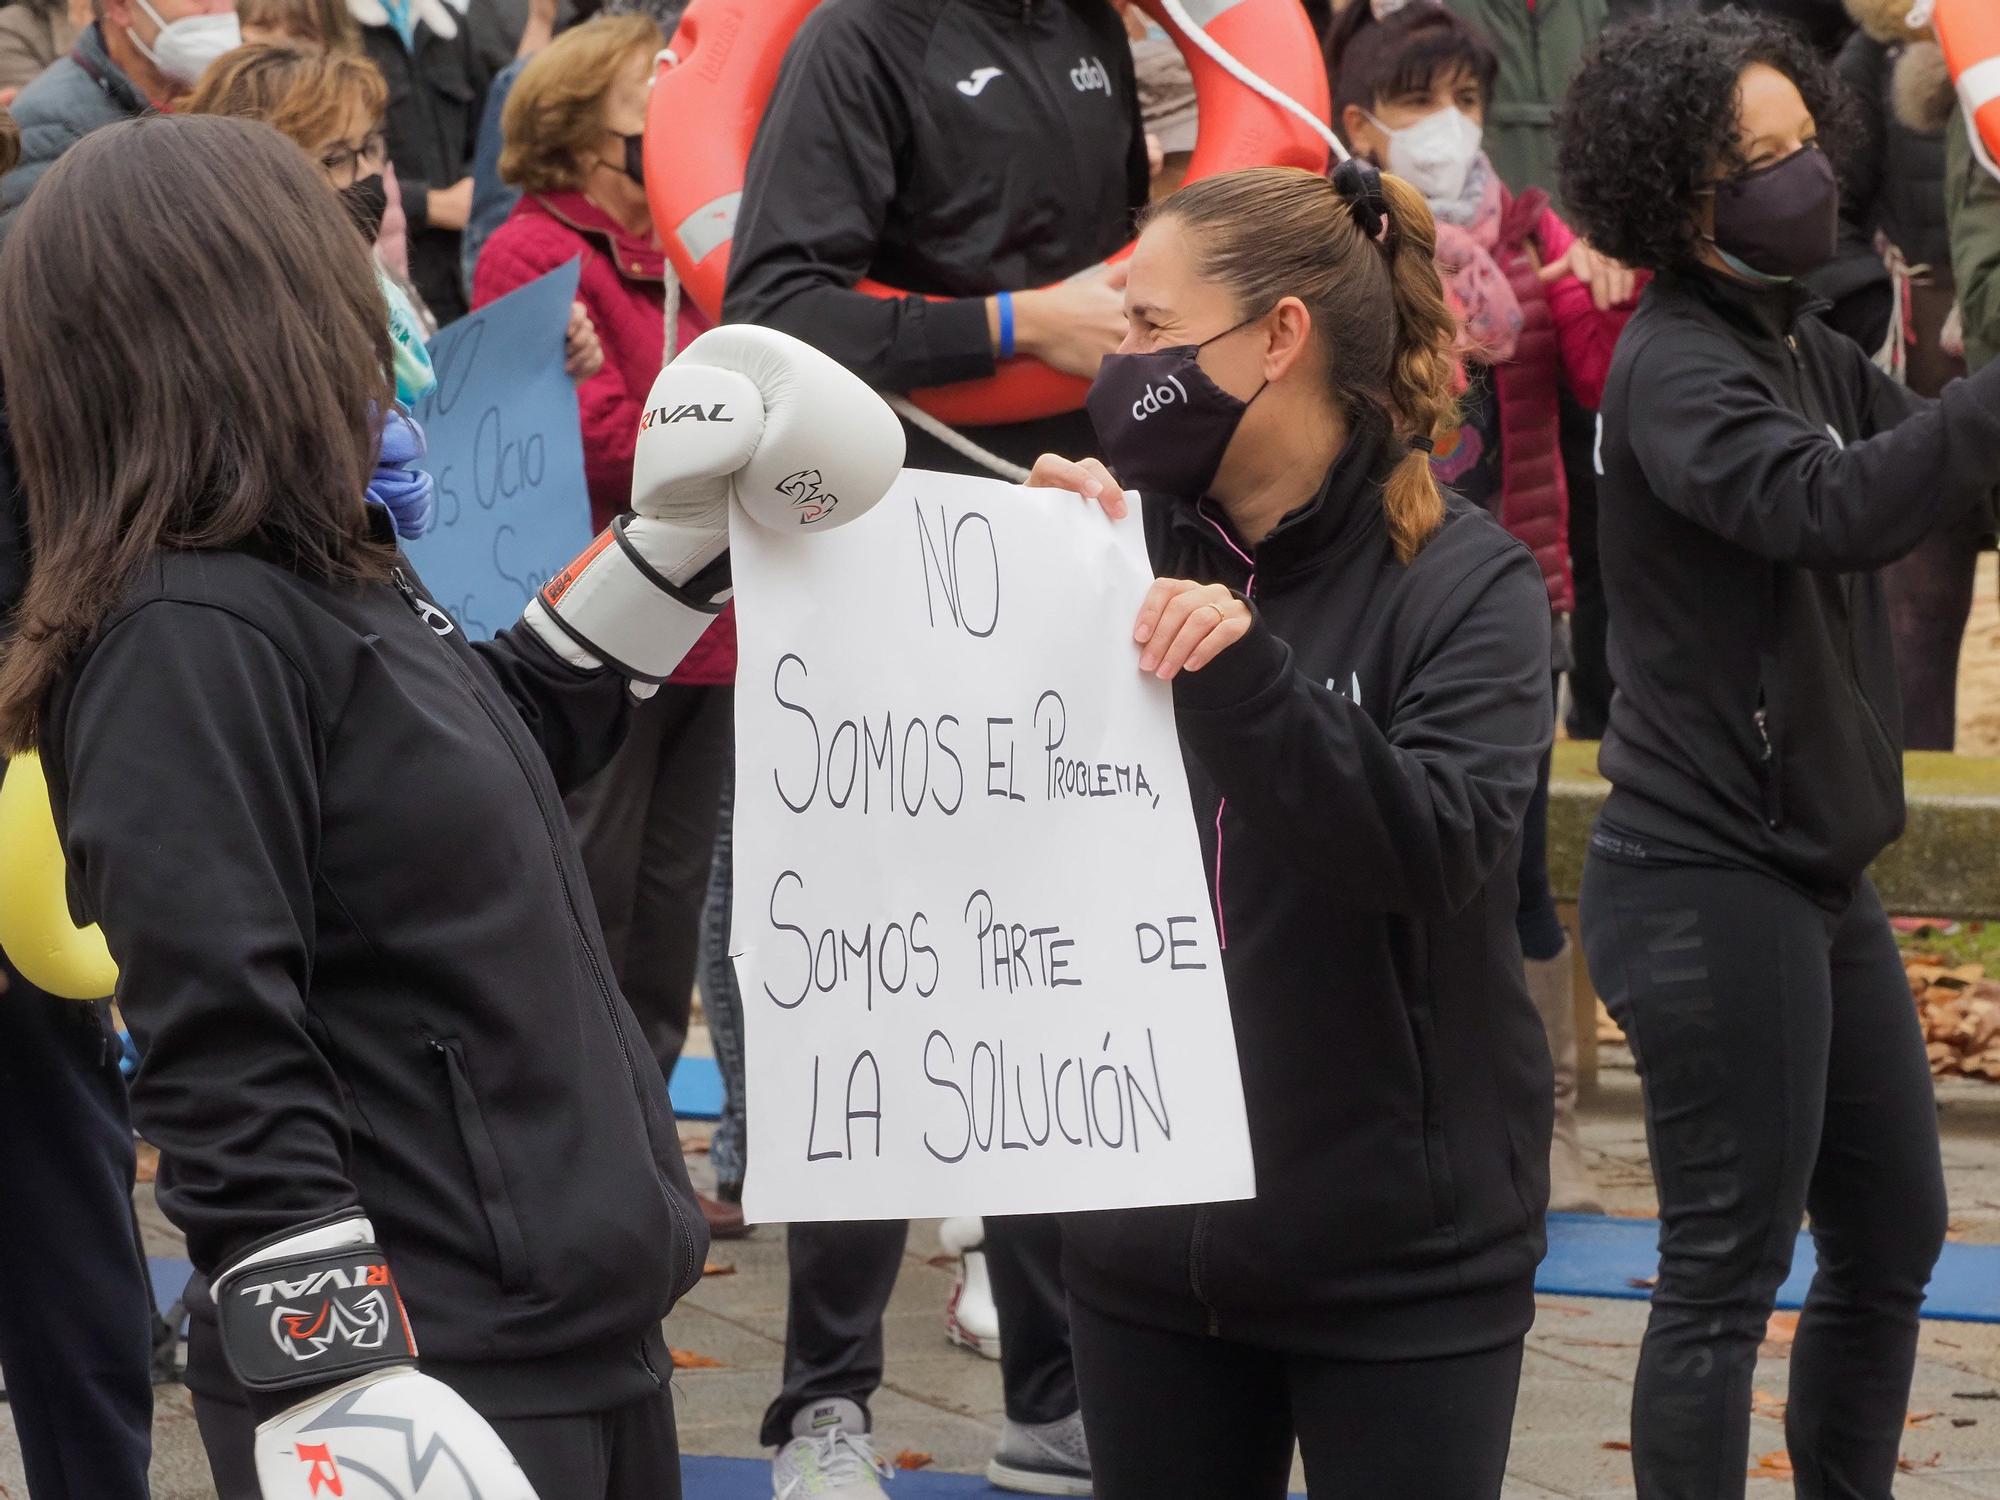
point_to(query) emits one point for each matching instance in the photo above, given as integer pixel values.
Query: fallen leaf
(1596, 1344)
(1911, 1465)
(1917, 1419)
(910, 1458)
(718, 1268)
(1764, 1404)
(687, 1359)
(694, 1145)
(1776, 1465)
(1782, 1329)
(944, 1261)
(1975, 1395)
(149, 1163)
(1643, 1283)
(1965, 1421)
(1616, 1445)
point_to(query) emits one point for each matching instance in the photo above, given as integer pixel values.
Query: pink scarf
(1467, 232)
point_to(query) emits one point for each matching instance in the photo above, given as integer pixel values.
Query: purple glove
(398, 487)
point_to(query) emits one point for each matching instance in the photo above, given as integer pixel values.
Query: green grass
(1959, 943)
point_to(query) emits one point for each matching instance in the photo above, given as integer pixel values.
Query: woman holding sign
(424, 1166)
(1360, 675)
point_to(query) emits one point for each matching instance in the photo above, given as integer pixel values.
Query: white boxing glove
(318, 1312)
(409, 1435)
(744, 414)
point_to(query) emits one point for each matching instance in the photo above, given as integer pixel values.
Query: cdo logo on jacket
(1090, 76)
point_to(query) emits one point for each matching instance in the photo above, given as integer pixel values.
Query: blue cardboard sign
(506, 452)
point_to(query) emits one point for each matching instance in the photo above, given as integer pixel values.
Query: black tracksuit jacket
(1756, 469)
(1360, 765)
(358, 953)
(950, 147)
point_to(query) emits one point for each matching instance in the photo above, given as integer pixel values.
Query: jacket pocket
(510, 1251)
(1437, 1158)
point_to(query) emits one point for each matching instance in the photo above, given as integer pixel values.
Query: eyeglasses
(345, 160)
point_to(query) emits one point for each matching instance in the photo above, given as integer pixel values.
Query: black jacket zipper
(416, 603)
(1767, 762)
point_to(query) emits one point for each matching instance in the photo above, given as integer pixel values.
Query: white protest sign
(979, 969)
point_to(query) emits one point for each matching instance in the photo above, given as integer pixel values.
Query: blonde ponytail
(1362, 257)
(1423, 374)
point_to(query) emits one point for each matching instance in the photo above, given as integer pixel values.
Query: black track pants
(1174, 1414)
(1784, 1072)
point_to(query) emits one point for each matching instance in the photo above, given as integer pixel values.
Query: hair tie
(1422, 445)
(1360, 187)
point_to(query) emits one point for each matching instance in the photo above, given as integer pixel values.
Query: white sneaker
(1048, 1459)
(830, 1457)
(971, 1321)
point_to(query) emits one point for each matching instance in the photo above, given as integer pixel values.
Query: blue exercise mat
(750, 1479)
(169, 1275)
(1594, 1256)
(696, 1089)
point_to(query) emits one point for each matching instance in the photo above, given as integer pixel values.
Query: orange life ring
(710, 92)
(1969, 32)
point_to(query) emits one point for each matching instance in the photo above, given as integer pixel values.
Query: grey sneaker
(1048, 1459)
(829, 1457)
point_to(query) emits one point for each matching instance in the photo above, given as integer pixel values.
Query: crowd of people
(1633, 372)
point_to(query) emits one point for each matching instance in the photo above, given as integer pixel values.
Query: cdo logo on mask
(1158, 398)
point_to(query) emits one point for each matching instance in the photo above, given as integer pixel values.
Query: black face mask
(1162, 424)
(1780, 221)
(635, 157)
(366, 201)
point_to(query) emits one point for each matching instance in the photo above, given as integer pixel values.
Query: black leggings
(1175, 1414)
(1784, 1071)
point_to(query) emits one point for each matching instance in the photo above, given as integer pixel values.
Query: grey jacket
(78, 94)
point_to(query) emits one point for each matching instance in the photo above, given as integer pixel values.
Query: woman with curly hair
(1756, 468)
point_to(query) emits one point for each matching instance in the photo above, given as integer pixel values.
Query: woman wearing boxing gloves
(440, 1206)
(1360, 674)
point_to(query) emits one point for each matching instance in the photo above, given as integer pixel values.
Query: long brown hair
(195, 353)
(306, 95)
(1377, 308)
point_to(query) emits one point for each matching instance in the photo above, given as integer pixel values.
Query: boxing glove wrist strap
(618, 606)
(313, 1308)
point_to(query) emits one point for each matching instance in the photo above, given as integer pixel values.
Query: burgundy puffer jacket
(1563, 338)
(623, 287)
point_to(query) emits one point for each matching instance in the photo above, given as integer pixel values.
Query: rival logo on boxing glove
(326, 1315)
(325, 1474)
(810, 501)
(689, 412)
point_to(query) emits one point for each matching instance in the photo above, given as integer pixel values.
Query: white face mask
(1436, 154)
(183, 49)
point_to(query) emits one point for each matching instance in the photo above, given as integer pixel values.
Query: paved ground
(1576, 1389)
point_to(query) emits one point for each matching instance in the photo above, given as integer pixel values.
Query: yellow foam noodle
(49, 949)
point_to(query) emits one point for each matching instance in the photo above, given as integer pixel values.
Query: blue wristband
(1006, 301)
